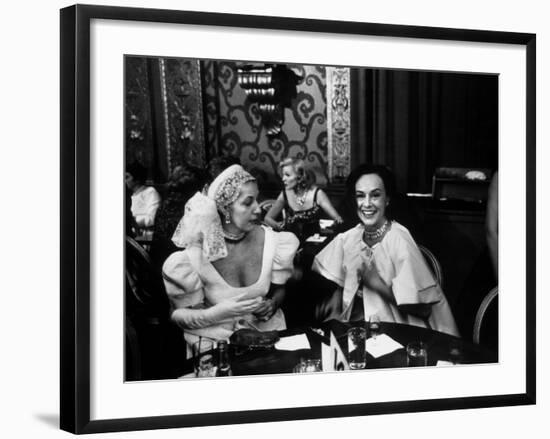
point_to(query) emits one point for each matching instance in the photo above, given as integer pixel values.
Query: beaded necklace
(234, 237)
(376, 234)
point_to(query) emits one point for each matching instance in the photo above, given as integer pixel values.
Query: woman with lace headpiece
(232, 271)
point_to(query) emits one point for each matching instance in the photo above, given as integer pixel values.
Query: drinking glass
(374, 326)
(203, 358)
(313, 366)
(417, 354)
(306, 366)
(357, 355)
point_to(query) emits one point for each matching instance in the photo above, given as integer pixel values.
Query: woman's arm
(186, 294)
(273, 213)
(192, 318)
(326, 205)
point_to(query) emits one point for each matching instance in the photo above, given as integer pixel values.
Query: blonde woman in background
(303, 203)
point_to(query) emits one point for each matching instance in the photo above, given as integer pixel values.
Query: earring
(227, 218)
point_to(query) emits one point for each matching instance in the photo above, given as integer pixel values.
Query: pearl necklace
(234, 237)
(378, 233)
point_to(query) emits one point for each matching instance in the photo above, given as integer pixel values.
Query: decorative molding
(183, 107)
(165, 113)
(210, 93)
(338, 123)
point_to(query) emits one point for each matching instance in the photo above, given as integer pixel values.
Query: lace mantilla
(226, 187)
(201, 226)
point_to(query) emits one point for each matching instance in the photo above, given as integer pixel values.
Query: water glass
(203, 358)
(357, 354)
(417, 354)
(306, 366)
(374, 326)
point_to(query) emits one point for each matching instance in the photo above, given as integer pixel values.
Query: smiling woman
(377, 266)
(232, 273)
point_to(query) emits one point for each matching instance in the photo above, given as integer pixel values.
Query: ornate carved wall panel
(200, 111)
(138, 130)
(338, 121)
(182, 105)
(211, 108)
(241, 133)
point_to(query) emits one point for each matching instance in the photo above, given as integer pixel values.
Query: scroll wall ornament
(338, 122)
(272, 87)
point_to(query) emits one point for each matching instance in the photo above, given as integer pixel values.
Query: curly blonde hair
(305, 176)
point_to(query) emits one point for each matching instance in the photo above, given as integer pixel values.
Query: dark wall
(415, 122)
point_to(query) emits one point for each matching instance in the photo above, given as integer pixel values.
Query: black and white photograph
(267, 219)
(247, 219)
(295, 218)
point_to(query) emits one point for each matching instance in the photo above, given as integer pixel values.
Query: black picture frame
(76, 211)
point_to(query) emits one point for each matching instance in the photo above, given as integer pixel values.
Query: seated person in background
(233, 271)
(302, 202)
(145, 199)
(130, 223)
(182, 185)
(377, 265)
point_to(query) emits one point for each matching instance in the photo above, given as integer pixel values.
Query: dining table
(442, 348)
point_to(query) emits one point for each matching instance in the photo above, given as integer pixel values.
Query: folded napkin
(332, 357)
(381, 345)
(316, 238)
(444, 363)
(293, 343)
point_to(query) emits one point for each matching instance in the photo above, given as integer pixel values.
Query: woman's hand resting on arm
(270, 304)
(266, 309)
(190, 318)
(238, 306)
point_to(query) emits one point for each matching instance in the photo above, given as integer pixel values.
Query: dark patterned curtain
(414, 122)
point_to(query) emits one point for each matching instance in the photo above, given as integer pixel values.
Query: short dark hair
(217, 164)
(366, 168)
(138, 171)
(349, 206)
(186, 178)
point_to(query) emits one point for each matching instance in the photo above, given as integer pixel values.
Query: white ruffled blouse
(400, 264)
(192, 282)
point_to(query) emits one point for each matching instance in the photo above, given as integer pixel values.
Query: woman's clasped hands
(367, 272)
(369, 276)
